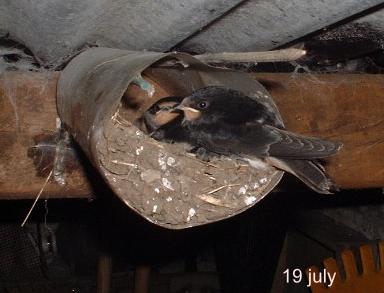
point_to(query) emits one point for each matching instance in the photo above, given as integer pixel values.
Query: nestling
(227, 122)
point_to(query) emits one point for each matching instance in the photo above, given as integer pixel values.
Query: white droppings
(139, 133)
(168, 199)
(139, 150)
(167, 183)
(256, 185)
(161, 161)
(248, 200)
(263, 180)
(114, 179)
(147, 202)
(242, 190)
(171, 161)
(154, 209)
(191, 213)
(157, 190)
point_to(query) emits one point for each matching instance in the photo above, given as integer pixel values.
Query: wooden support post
(142, 274)
(347, 108)
(104, 273)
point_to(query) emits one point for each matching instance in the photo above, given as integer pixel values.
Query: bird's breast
(257, 163)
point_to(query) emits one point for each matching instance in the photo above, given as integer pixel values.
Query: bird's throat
(191, 114)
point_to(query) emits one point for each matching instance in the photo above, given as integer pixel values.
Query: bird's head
(209, 104)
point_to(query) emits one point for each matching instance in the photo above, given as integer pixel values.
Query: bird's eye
(202, 104)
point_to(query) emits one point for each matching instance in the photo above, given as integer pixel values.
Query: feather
(297, 146)
(309, 172)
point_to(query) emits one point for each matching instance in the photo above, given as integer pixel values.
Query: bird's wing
(227, 139)
(295, 146)
(261, 140)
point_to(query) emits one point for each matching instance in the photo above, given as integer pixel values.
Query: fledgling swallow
(227, 122)
(162, 122)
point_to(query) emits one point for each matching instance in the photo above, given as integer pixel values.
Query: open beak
(190, 113)
(185, 106)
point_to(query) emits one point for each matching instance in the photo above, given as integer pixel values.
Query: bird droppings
(162, 162)
(154, 209)
(157, 190)
(167, 183)
(191, 213)
(139, 150)
(256, 185)
(242, 190)
(248, 200)
(168, 199)
(171, 161)
(263, 180)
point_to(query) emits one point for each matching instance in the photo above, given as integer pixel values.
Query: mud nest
(164, 182)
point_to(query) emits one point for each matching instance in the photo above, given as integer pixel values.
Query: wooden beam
(346, 108)
(28, 111)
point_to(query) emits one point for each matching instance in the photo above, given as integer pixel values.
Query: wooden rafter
(346, 108)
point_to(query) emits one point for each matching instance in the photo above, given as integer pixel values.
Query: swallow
(227, 122)
(162, 122)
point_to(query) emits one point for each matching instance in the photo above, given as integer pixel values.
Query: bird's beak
(185, 105)
(190, 113)
(185, 108)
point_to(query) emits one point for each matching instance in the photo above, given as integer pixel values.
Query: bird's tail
(310, 172)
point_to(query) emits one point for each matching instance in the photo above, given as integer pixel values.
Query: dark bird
(162, 123)
(227, 122)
